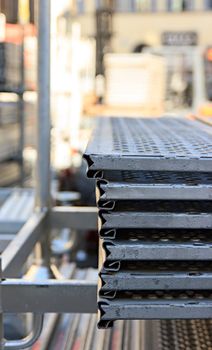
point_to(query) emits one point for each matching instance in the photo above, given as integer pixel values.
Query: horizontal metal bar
(82, 218)
(154, 220)
(21, 246)
(132, 191)
(155, 280)
(134, 251)
(140, 310)
(19, 296)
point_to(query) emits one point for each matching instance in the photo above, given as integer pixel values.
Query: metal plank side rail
(52, 296)
(135, 251)
(81, 218)
(154, 220)
(134, 191)
(126, 309)
(128, 280)
(20, 247)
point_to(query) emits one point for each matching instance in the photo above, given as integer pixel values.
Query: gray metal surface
(158, 220)
(125, 309)
(178, 335)
(19, 296)
(5, 240)
(74, 217)
(139, 280)
(44, 118)
(21, 246)
(163, 144)
(135, 191)
(16, 209)
(135, 251)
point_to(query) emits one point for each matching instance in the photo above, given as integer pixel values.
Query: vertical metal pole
(44, 120)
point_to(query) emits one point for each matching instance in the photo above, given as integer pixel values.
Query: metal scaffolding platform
(163, 144)
(153, 195)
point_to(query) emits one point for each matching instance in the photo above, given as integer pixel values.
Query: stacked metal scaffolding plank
(154, 192)
(70, 331)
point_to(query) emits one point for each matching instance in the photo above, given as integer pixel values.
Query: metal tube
(44, 122)
(81, 218)
(28, 341)
(20, 247)
(68, 296)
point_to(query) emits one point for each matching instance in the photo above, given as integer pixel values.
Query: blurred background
(108, 57)
(132, 58)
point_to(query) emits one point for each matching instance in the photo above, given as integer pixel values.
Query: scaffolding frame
(16, 294)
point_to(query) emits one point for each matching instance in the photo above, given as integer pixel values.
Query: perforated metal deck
(178, 335)
(154, 193)
(163, 144)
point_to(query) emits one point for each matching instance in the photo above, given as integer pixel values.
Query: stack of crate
(154, 194)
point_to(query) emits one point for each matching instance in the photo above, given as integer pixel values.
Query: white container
(135, 80)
